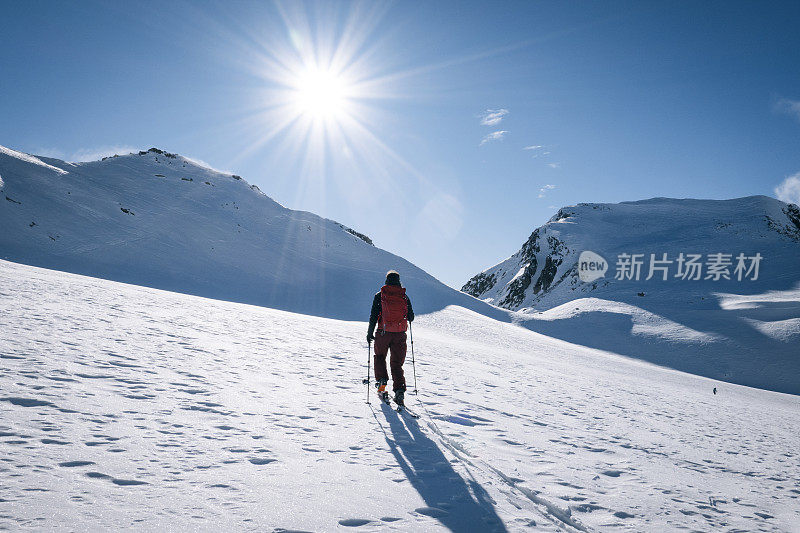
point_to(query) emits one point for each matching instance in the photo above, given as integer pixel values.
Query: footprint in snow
(453, 419)
(127, 482)
(72, 464)
(116, 481)
(262, 460)
(54, 441)
(434, 512)
(586, 507)
(27, 402)
(354, 522)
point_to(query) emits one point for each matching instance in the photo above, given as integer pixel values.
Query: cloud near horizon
(94, 154)
(493, 117)
(788, 107)
(494, 136)
(86, 154)
(789, 190)
(207, 165)
(544, 190)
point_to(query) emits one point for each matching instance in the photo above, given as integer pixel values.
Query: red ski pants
(396, 343)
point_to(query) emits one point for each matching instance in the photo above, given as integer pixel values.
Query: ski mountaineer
(391, 311)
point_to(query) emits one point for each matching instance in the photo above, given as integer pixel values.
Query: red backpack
(394, 308)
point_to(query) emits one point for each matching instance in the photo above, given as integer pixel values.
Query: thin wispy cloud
(554, 165)
(94, 154)
(544, 190)
(537, 150)
(788, 107)
(55, 153)
(494, 136)
(493, 117)
(202, 163)
(87, 154)
(789, 190)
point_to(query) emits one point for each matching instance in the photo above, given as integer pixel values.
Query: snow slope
(160, 220)
(130, 407)
(681, 323)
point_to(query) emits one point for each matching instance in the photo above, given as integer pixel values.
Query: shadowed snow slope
(128, 407)
(683, 323)
(160, 220)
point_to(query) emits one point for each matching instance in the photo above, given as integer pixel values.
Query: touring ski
(384, 396)
(406, 410)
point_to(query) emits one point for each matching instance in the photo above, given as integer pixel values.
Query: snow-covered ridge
(28, 159)
(158, 219)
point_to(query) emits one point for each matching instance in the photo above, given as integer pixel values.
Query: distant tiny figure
(391, 312)
(715, 390)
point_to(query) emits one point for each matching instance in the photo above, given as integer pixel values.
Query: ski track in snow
(122, 406)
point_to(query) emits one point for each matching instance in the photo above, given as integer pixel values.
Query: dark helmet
(393, 278)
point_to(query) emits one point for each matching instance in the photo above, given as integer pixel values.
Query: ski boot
(399, 398)
(383, 394)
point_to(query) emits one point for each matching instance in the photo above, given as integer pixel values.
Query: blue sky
(613, 101)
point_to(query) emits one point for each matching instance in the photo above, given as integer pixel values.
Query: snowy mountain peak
(162, 160)
(544, 272)
(710, 287)
(157, 219)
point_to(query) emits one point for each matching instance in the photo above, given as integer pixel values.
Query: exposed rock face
(538, 261)
(479, 284)
(515, 291)
(789, 227)
(793, 213)
(357, 234)
(544, 271)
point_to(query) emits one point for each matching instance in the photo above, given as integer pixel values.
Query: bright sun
(320, 94)
(323, 83)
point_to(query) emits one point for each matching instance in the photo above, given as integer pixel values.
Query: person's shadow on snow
(459, 504)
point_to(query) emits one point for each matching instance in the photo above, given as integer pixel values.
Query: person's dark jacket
(376, 311)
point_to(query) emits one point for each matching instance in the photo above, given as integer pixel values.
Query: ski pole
(413, 364)
(366, 381)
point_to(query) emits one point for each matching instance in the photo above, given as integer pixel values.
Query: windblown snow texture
(124, 407)
(160, 220)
